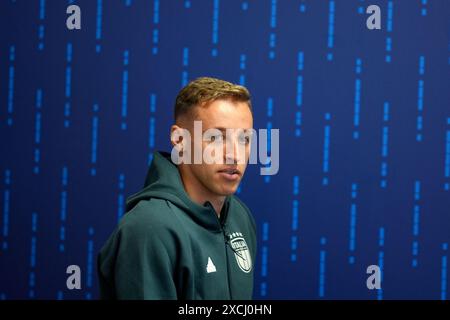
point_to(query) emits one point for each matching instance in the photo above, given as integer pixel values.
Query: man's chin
(229, 191)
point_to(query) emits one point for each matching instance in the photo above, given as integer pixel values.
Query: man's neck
(199, 194)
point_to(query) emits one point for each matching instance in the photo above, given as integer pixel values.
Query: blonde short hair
(204, 90)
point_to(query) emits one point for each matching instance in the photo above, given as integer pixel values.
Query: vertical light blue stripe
(94, 143)
(41, 28)
(269, 113)
(302, 7)
(152, 127)
(63, 208)
(420, 98)
(322, 267)
(423, 10)
(384, 146)
(447, 158)
(273, 24)
(121, 197)
(294, 224)
(444, 272)
(357, 98)
(299, 98)
(155, 34)
(90, 263)
(12, 58)
(330, 39)
(389, 27)
(381, 236)
(242, 67)
(326, 149)
(416, 224)
(126, 55)
(215, 28)
(264, 259)
(37, 131)
(353, 215)
(184, 73)
(6, 209)
(33, 258)
(98, 26)
(68, 84)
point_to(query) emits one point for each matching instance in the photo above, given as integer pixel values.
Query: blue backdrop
(364, 119)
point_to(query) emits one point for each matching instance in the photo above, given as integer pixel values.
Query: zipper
(226, 241)
(227, 262)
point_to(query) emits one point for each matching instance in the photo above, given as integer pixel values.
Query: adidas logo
(210, 267)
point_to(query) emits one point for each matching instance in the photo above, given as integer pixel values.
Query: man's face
(232, 146)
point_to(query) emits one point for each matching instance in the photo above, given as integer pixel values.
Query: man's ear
(175, 138)
(181, 142)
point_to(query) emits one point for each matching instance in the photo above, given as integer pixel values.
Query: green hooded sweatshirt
(168, 247)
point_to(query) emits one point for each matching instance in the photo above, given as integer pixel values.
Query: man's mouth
(230, 173)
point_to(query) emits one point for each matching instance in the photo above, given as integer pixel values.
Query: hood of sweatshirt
(163, 181)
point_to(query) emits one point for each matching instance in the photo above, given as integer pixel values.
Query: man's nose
(232, 151)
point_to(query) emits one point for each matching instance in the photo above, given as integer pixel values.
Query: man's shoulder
(153, 215)
(146, 229)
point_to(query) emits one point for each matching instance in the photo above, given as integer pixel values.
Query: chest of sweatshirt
(214, 264)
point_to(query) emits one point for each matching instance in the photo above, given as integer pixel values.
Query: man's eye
(244, 140)
(216, 137)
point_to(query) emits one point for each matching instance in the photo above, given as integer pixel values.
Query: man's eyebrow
(225, 129)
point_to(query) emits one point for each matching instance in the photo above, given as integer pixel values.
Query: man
(185, 235)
